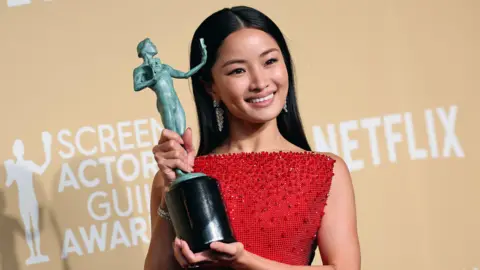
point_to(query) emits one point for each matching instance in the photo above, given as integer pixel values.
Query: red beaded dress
(275, 200)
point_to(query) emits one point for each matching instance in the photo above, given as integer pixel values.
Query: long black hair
(214, 30)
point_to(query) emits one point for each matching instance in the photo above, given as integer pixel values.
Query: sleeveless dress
(275, 200)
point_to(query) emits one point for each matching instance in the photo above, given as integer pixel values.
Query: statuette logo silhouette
(21, 171)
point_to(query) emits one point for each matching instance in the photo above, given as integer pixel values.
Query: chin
(264, 117)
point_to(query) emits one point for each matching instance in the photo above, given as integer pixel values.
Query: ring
(193, 266)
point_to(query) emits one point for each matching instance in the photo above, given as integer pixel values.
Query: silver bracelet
(163, 214)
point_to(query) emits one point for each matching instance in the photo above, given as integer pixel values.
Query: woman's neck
(248, 137)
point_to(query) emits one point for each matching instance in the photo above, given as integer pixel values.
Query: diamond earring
(219, 115)
(285, 107)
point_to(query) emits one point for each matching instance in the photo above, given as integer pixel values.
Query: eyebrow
(239, 61)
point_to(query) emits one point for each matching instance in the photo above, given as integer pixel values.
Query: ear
(211, 90)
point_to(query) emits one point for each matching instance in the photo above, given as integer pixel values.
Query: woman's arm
(337, 237)
(160, 252)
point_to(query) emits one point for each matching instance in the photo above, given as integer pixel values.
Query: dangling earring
(285, 107)
(219, 115)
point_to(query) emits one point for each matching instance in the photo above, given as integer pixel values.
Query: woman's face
(250, 76)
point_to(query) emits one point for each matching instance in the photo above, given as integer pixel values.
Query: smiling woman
(252, 140)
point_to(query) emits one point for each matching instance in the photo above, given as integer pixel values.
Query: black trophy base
(198, 212)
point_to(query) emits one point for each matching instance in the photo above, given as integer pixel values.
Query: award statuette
(194, 200)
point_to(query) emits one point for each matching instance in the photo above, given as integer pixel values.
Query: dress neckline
(265, 153)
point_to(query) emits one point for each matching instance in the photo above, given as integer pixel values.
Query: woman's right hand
(170, 155)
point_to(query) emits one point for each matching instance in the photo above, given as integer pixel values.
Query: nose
(259, 79)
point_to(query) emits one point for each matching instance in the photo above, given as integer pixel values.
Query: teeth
(256, 100)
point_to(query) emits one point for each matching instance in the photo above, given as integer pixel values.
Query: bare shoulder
(340, 168)
(332, 156)
(338, 160)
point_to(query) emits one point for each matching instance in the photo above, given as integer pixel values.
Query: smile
(258, 100)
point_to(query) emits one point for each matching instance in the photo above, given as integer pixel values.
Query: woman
(252, 140)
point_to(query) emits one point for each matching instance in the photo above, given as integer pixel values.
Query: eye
(271, 61)
(236, 71)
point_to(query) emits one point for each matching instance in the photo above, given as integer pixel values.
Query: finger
(168, 146)
(173, 159)
(175, 154)
(168, 173)
(187, 253)
(191, 160)
(168, 170)
(167, 151)
(193, 257)
(169, 135)
(173, 164)
(187, 138)
(188, 141)
(177, 252)
(155, 151)
(228, 249)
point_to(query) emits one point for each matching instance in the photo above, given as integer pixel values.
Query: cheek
(280, 76)
(233, 89)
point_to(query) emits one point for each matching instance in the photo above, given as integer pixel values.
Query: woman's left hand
(221, 254)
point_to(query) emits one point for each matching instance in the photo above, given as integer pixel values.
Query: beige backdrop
(391, 86)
